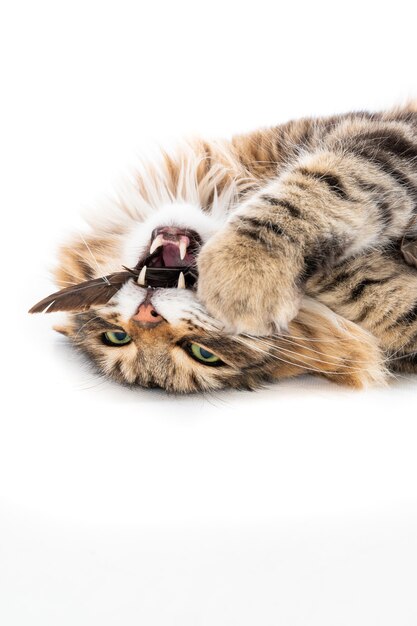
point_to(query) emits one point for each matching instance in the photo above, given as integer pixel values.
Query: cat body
(295, 237)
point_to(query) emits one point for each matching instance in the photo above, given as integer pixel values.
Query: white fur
(172, 304)
(127, 300)
(181, 214)
(149, 187)
(177, 304)
(147, 201)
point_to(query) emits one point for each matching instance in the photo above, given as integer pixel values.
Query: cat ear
(83, 296)
(62, 330)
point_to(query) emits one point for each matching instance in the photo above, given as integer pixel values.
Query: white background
(296, 505)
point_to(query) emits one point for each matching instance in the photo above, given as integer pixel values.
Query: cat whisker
(309, 339)
(300, 345)
(298, 357)
(402, 356)
(292, 341)
(66, 282)
(281, 359)
(86, 324)
(105, 279)
(349, 368)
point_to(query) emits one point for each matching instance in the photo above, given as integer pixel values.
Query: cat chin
(180, 214)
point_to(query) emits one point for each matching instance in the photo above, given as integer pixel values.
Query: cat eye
(118, 338)
(203, 355)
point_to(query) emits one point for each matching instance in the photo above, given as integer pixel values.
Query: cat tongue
(171, 255)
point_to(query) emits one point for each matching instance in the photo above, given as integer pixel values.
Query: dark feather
(166, 277)
(99, 291)
(84, 295)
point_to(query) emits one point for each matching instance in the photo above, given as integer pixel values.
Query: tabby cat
(283, 252)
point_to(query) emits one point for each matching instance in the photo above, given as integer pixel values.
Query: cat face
(163, 337)
(160, 337)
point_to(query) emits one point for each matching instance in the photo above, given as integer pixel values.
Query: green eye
(204, 356)
(117, 338)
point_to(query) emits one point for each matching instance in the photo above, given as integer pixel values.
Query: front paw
(247, 284)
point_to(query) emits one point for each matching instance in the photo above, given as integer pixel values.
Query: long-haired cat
(232, 263)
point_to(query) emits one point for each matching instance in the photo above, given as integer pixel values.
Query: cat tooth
(181, 281)
(142, 276)
(157, 242)
(183, 249)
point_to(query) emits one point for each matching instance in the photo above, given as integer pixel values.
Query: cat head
(129, 289)
(145, 325)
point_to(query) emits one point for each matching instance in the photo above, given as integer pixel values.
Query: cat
(294, 239)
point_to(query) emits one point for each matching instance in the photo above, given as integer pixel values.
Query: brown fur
(307, 273)
(317, 343)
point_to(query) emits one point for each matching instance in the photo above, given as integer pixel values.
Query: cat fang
(141, 280)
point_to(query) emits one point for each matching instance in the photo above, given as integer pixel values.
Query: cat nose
(147, 316)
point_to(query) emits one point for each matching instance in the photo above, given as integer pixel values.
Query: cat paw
(245, 284)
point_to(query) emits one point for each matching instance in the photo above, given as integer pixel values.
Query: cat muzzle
(147, 316)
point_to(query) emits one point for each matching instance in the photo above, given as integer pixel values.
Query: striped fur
(302, 263)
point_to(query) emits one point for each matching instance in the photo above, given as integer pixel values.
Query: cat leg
(378, 291)
(328, 206)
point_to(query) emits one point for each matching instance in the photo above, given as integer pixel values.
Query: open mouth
(171, 260)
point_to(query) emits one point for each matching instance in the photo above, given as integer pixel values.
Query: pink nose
(147, 315)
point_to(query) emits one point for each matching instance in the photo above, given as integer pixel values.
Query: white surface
(296, 505)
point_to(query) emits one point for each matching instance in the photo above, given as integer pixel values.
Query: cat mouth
(171, 259)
